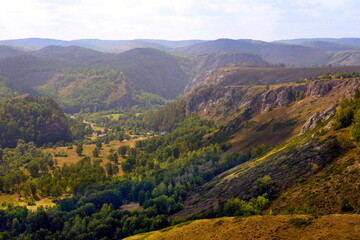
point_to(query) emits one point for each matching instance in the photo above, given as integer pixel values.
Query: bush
(355, 132)
(299, 222)
(30, 201)
(265, 185)
(237, 207)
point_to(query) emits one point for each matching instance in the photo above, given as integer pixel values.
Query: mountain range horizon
(35, 43)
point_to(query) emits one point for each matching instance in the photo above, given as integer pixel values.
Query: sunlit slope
(262, 227)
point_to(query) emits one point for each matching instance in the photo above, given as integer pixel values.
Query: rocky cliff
(318, 117)
(222, 103)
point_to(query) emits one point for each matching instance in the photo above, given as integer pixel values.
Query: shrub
(299, 222)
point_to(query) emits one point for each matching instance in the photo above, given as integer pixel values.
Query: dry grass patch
(264, 227)
(72, 156)
(15, 200)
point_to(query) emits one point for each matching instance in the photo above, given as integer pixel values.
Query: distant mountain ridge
(95, 44)
(345, 41)
(294, 52)
(274, 52)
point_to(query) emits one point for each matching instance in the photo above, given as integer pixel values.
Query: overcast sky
(179, 19)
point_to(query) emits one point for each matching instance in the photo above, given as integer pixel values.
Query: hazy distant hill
(95, 44)
(38, 43)
(294, 55)
(274, 52)
(78, 55)
(174, 43)
(344, 41)
(73, 86)
(293, 52)
(350, 57)
(7, 51)
(328, 46)
(150, 70)
(213, 61)
(25, 72)
(223, 45)
(137, 44)
(34, 43)
(153, 70)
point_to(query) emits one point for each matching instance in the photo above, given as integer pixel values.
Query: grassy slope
(14, 200)
(335, 189)
(281, 123)
(349, 57)
(291, 159)
(262, 227)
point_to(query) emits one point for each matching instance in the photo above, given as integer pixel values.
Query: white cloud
(176, 19)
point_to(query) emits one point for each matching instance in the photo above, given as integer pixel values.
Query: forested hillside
(92, 90)
(33, 119)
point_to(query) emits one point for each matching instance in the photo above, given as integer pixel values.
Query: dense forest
(36, 119)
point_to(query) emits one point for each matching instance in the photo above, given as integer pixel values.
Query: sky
(179, 19)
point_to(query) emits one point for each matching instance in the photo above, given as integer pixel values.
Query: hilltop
(32, 119)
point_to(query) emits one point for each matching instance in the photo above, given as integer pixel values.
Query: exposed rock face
(282, 96)
(221, 98)
(350, 85)
(258, 99)
(208, 78)
(255, 99)
(318, 117)
(320, 88)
